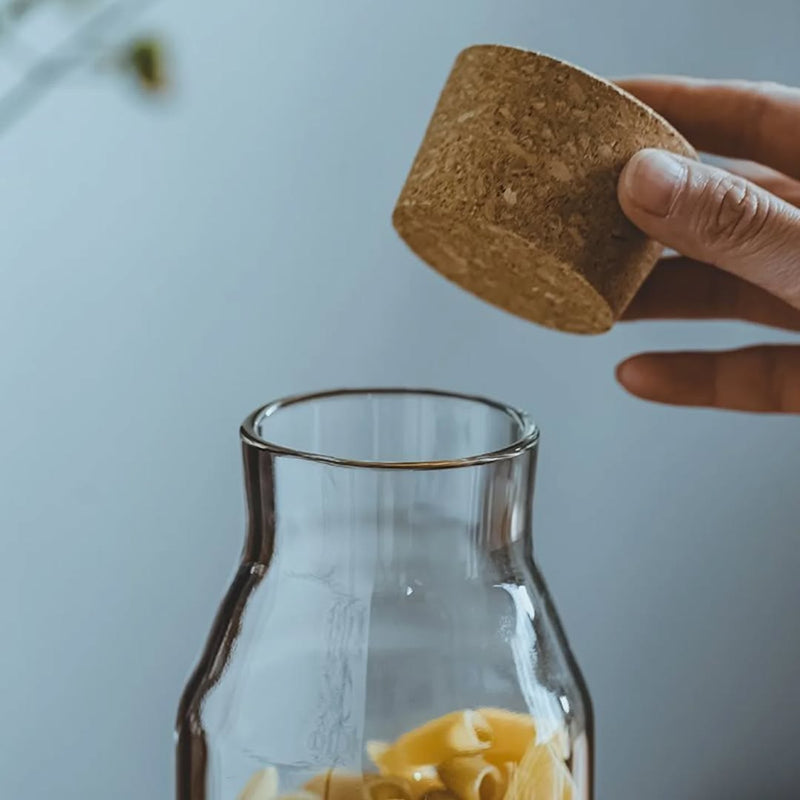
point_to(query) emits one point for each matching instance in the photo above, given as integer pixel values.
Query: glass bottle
(387, 635)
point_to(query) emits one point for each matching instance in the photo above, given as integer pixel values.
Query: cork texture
(513, 192)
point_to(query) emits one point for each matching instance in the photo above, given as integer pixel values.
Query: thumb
(715, 217)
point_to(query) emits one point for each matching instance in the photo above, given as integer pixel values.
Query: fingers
(773, 181)
(755, 121)
(760, 379)
(717, 218)
(683, 289)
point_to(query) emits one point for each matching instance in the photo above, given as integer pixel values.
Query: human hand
(738, 234)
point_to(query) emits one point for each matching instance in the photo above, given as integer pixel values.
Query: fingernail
(652, 180)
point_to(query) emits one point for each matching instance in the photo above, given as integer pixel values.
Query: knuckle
(733, 212)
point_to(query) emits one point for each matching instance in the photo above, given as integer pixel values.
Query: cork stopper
(513, 192)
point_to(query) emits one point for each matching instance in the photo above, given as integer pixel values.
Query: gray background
(165, 271)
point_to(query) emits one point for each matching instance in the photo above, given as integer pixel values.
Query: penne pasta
(318, 785)
(377, 750)
(512, 734)
(424, 781)
(483, 754)
(263, 785)
(439, 794)
(420, 779)
(342, 785)
(379, 787)
(301, 795)
(337, 784)
(542, 775)
(473, 778)
(507, 770)
(461, 733)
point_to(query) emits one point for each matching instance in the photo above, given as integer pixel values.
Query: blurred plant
(42, 41)
(143, 57)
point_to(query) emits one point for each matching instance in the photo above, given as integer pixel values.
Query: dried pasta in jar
(541, 774)
(343, 785)
(301, 795)
(483, 754)
(263, 785)
(512, 734)
(473, 778)
(461, 733)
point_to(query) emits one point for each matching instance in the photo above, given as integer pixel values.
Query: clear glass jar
(387, 635)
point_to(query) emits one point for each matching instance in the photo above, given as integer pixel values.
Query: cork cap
(513, 192)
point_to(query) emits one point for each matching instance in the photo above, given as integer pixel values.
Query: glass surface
(387, 583)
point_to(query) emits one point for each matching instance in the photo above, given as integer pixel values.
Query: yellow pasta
(483, 754)
(263, 785)
(379, 787)
(424, 781)
(512, 734)
(439, 794)
(472, 778)
(377, 751)
(318, 785)
(341, 785)
(461, 733)
(541, 775)
(337, 784)
(421, 778)
(507, 770)
(301, 795)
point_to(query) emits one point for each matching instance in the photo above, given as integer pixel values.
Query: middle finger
(740, 119)
(680, 288)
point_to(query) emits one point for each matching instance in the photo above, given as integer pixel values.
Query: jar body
(387, 636)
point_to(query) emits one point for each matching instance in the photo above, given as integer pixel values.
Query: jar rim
(526, 439)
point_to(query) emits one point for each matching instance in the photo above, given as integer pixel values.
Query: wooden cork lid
(513, 192)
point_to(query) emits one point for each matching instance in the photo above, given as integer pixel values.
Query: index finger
(740, 119)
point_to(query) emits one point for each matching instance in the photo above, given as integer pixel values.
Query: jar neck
(397, 521)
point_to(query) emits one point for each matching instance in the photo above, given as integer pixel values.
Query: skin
(737, 231)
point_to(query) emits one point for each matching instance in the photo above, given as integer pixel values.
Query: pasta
(541, 773)
(262, 786)
(512, 734)
(439, 794)
(461, 733)
(341, 785)
(422, 779)
(301, 795)
(474, 754)
(382, 788)
(424, 782)
(507, 770)
(472, 778)
(337, 784)
(318, 785)
(377, 751)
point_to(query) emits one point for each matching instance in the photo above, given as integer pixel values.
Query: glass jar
(387, 635)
